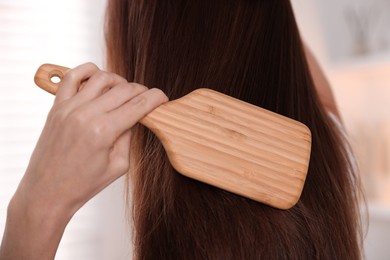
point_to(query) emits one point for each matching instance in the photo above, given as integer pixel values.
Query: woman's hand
(85, 143)
(83, 147)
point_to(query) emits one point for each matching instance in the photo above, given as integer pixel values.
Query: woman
(247, 49)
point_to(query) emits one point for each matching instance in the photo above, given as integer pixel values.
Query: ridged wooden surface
(235, 146)
(227, 143)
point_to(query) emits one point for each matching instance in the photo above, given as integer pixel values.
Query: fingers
(127, 115)
(72, 80)
(117, 96)
(106, 97)
(99, 83)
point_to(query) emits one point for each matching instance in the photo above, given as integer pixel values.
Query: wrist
(35, 209)
(32, 232)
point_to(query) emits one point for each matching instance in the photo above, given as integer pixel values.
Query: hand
(84, 145)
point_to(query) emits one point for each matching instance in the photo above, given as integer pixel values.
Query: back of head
(250, 50)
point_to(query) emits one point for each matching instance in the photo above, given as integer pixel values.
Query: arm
(322, 84)
(83, 147)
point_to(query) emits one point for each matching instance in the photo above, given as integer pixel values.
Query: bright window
(66, 33)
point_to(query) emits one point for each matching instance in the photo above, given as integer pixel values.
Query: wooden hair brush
(227, 143)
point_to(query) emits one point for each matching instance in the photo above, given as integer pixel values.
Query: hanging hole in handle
(55, 79)
(56, 76)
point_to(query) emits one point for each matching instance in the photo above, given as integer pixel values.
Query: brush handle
(45, 75)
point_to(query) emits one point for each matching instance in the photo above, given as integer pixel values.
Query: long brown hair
(251, 50)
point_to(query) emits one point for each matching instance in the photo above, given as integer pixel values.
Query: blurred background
(350, 38)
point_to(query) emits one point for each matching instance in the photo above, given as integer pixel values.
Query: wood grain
(228, 143)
